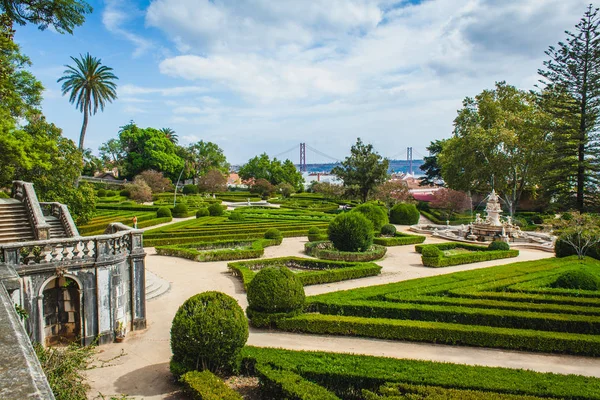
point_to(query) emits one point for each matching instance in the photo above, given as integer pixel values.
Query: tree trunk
(83, 128)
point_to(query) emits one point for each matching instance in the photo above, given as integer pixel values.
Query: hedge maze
(98, 224)
(512, 306)
(286, 374)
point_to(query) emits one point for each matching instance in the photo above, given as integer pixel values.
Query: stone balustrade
(61, 212)
(25, 193)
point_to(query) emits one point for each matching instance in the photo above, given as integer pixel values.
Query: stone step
(155, 285)
(15, 228)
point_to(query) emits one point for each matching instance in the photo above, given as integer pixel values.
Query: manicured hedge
(325, 250)
(285, 384)
(218, 250)
(399, 239)
(317, 271)
(437, 259)
(348, 373)
(207, 386)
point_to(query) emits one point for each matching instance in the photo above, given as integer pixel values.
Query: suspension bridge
(320, 158)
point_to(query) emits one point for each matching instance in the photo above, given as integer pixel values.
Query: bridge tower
(409, 158)
(302, 157)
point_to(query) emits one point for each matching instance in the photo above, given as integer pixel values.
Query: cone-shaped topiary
(208, 332)
(404, 214)
(577, 279)
(351, 232)
(374, 213)
(275, 290)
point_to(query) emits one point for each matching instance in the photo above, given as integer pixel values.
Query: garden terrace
(218, 250)
(511, 306)
(320, 375)
(448, 254)
(221, 228)
(309, 271)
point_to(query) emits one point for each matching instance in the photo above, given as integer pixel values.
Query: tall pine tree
(573, 71)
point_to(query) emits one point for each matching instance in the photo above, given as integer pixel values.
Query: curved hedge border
(318, 271)
(207, 386)
(325, 251)
(218, 250)
(399, 239)
(432, 254)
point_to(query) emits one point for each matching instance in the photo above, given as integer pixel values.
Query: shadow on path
(152, 380)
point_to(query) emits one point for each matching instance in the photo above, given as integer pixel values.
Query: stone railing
(121, 242)
(61, 212)
(24, 192)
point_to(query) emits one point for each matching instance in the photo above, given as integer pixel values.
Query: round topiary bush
(180, 210)
(111, 193)
(215, 209)
(236, 216)
(404, 214)
(190, 189)
(431, 251)
(202, 212)
(313, 230)
(163, 212)
(125, 193)
(351, 232)
(388, 230)
(374, 213)
(208, 332)
(498, 245)
(273, 233)
(577, 279)
(275, 290)
(102, 193)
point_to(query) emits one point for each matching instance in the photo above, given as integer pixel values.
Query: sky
(260, 76)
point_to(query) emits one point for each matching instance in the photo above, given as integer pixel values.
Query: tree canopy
(273, 171)
(204, 157)
(362, 170)
(62, 15)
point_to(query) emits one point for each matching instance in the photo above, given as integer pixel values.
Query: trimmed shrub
(374, 213)
(324, 250)
(351, 232)
(215, 210)
(275, 289)
(388, 230)
(399, 239)
(180, 210)
(313, 230)
(208, 332)
(577, 279)
(163, 212)
(101, 193)
(125, 193)
(431, 251)
(111, 193)
(404, 214)
(207, 386)
(273, 233)
(202, 212)
(236, 216)
(190, 189)
(498, 245)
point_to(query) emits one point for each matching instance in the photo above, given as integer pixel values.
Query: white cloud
(129, 109)
(129, 89)
(115, 15)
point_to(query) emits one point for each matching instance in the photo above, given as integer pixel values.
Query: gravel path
(143, 372)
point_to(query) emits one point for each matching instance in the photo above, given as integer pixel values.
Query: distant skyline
(260, 76)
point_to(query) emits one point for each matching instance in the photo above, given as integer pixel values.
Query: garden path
(143, 370)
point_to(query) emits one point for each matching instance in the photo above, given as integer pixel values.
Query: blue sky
(264, 75)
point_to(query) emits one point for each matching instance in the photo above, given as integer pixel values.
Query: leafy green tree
(574, 67)
(431, 167)
(581, 232)
(91, 163)
(363, 170)
(256, 168)
(204, 157)
(147, 149)
(62, 15)
(212, 182)
(90, 86)
(273, 171)
(499, 143)
(112, 153)
(170, 134)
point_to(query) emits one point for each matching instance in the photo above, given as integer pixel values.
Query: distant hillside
(395, 166)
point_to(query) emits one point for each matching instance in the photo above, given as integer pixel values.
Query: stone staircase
(14, 223)
(57, 230)
(155, 285)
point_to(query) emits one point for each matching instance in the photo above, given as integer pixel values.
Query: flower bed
(309, 271)
(325, 250)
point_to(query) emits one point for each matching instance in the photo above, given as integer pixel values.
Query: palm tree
(170, 134)
(90, 85)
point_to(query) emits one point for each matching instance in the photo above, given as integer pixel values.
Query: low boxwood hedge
(317, 271)
(399, 239)
(325, 250)
(207, 386)
(432, 254)
(349, 373)
(218, 250)
(285, 384)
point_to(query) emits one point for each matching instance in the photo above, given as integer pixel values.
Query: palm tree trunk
(83, 128)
